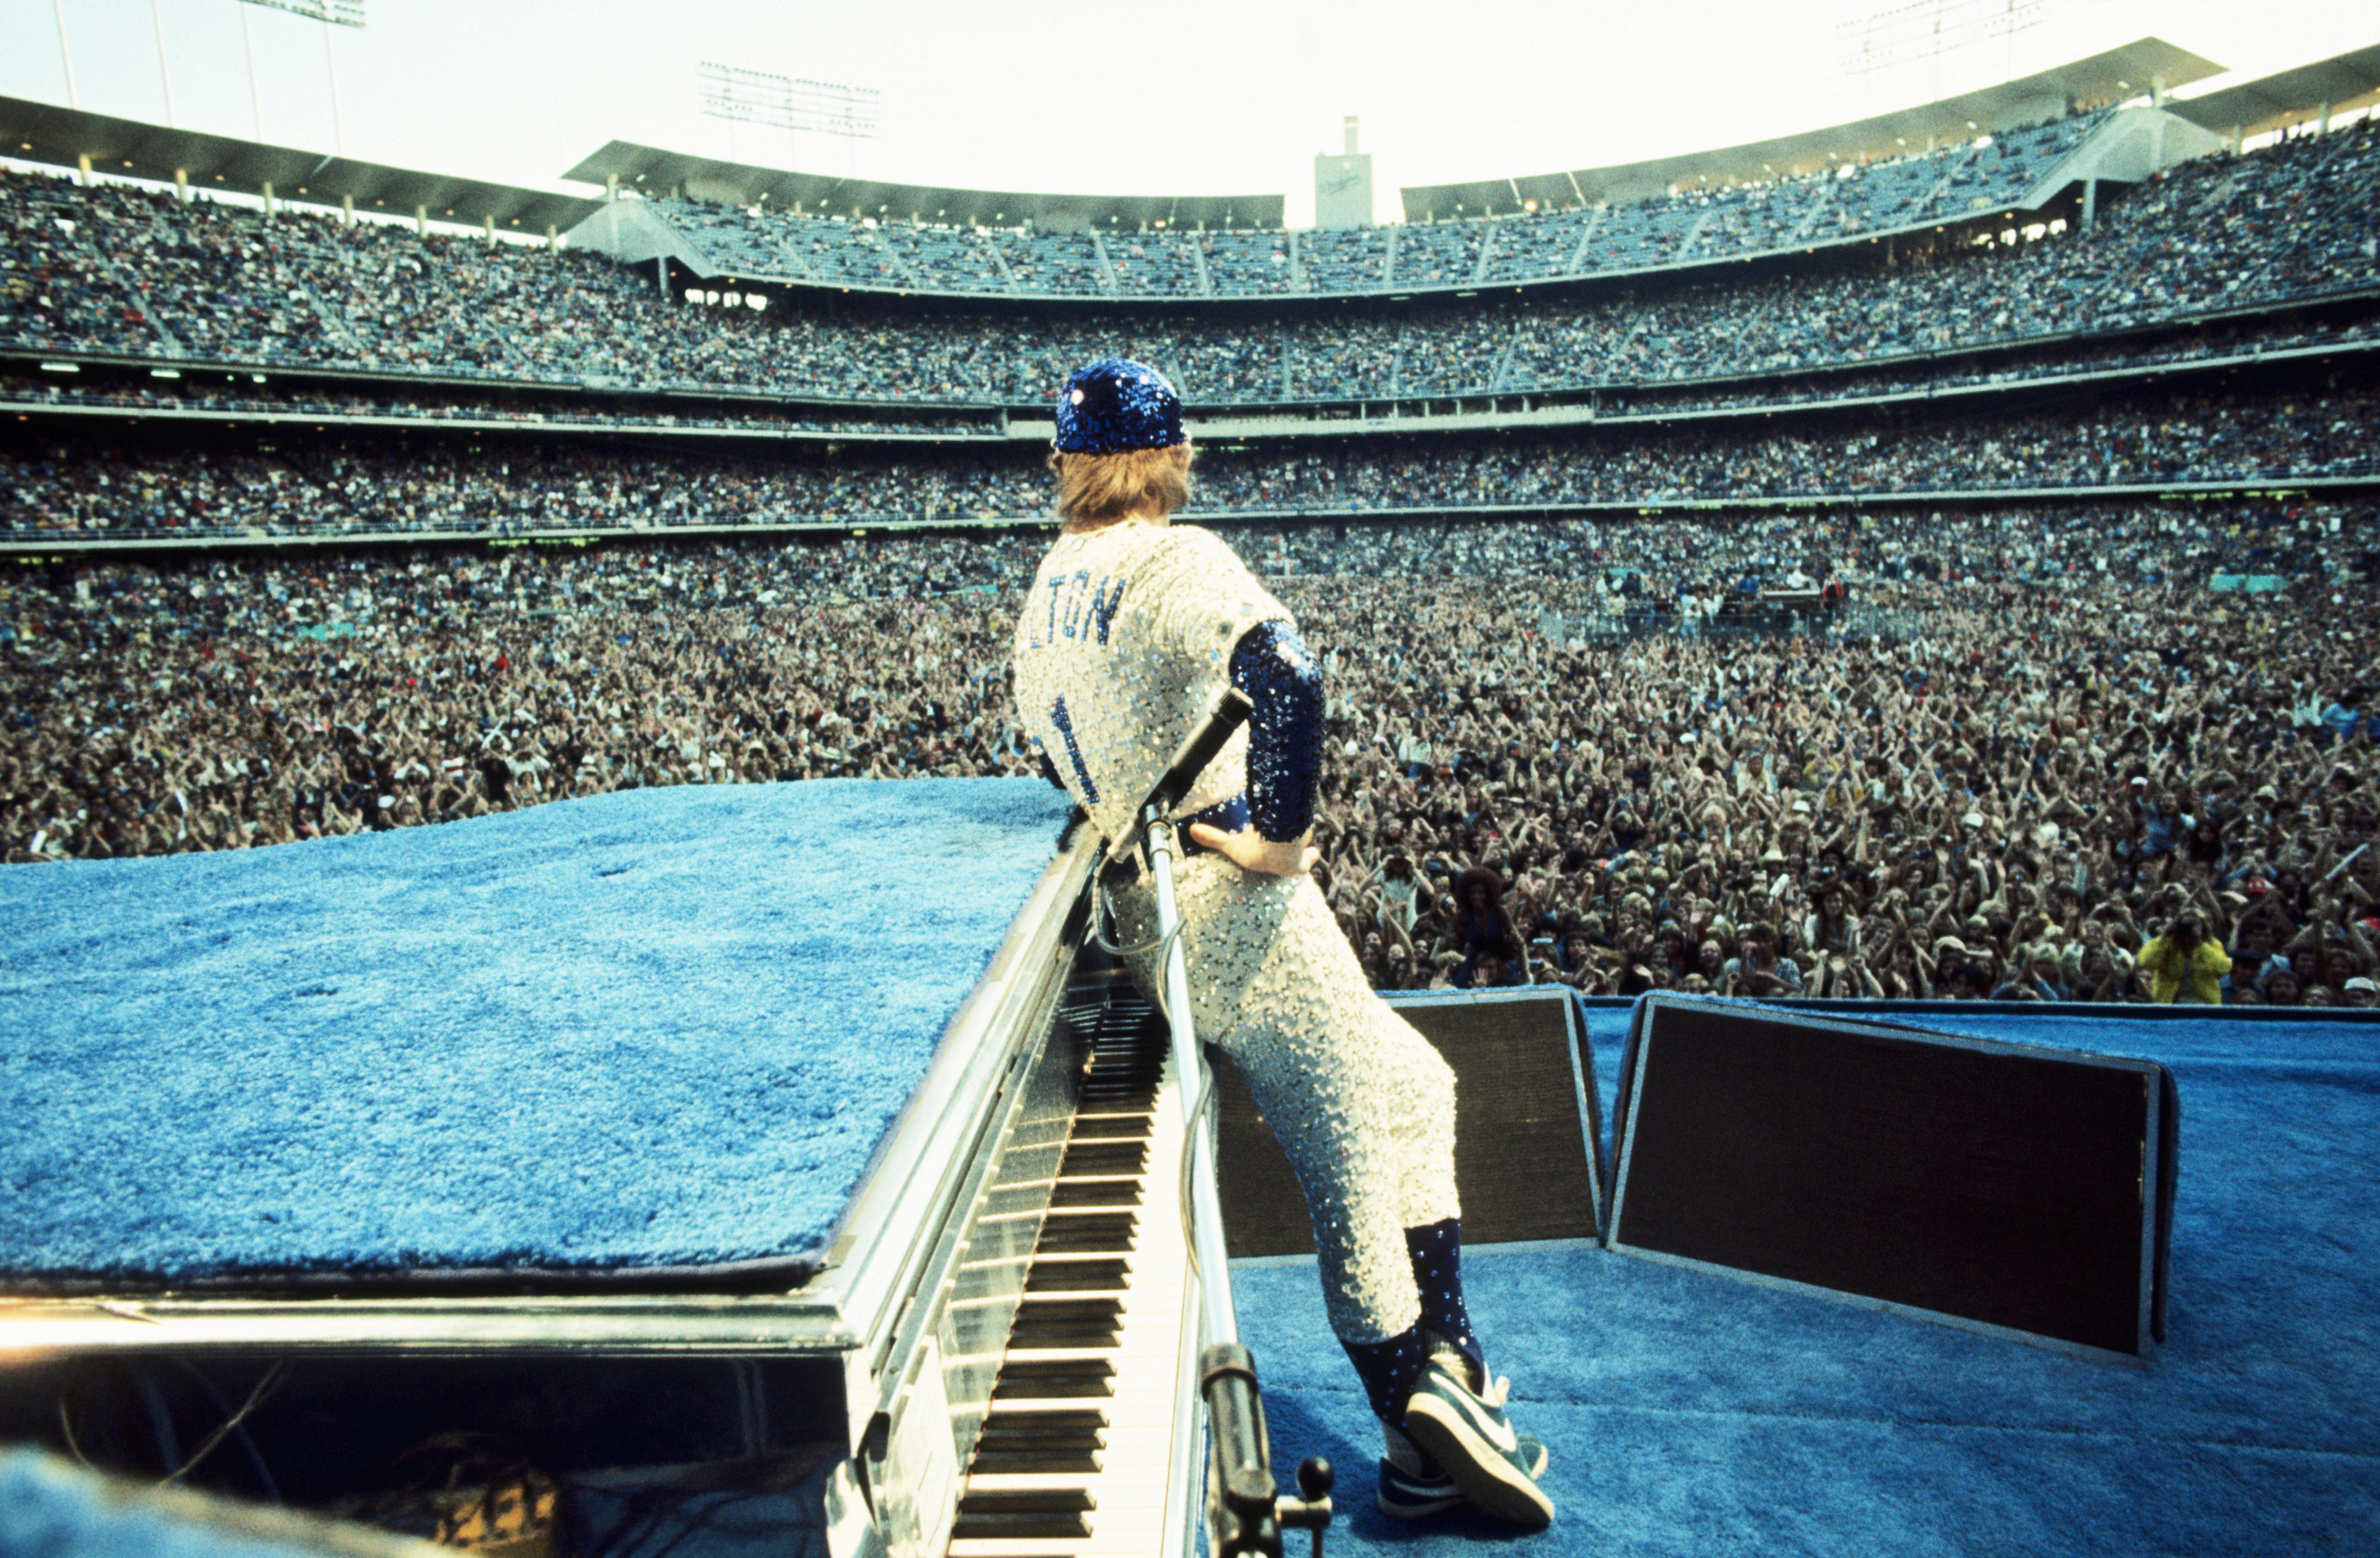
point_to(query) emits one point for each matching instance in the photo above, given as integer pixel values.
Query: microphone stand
(1244, 1513)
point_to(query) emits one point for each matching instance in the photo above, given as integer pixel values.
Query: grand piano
(325, 1205)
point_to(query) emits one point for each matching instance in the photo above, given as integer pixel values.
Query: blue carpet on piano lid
(1693, 1413)
(656, 1028)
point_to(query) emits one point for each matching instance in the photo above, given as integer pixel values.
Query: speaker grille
(1994, 1183)
(1522, 1160)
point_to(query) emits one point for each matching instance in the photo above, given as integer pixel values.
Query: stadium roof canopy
(652, 171)
(2104, 77)
(2344, 81)
(42, 132)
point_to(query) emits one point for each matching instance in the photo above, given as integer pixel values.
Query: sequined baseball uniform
(1124, 647)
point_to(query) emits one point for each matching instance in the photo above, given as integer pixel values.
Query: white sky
(1231, 97)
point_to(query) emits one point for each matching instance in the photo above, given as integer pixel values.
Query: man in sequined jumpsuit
(1133, 632)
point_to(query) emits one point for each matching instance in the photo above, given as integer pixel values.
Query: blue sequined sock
(1436, 1252)
(1390, 1369)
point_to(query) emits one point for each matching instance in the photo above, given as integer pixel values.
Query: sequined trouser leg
(1361, 1104)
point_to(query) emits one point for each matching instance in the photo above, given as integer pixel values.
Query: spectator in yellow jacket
(2185, 964)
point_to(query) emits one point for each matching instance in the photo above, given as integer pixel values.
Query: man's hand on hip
(1251, 851)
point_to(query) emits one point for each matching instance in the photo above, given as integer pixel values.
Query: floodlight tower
(786, 102)
(329, 13)
(1929, 32)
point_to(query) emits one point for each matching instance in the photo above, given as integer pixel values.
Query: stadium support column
(330, 71)
(2323, 128)
(182, 185)
(164, 67)
(661, 274)
(421, 220)
(2090, 202)
(553, 238)
(269, 207)
(255, 92)
(2238, 135)
(492, 230)
(66, 55)
(82, 169)
(346, 211)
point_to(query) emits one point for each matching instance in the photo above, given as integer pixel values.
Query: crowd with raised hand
(533, 486)
(121, 270)
(208, 705)
(2063, 758)
(2017, 801)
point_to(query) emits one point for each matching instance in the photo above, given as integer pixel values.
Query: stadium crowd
(2042, 368)
(81, 486)
(117, 268)
(2074, 750)
(234, 396)
(235, 400)
(1162, 260)
(2065, 751)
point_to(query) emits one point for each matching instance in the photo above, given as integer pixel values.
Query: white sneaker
(1464, 1432)
(1413, 1484)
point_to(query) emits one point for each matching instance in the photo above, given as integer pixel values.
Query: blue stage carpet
(1690, 1414)
(650, 1030)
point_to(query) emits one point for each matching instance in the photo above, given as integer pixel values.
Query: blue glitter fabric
(1389, 1370)
(1117, 405)
(1437, 1253)
(1231, 816)
(1272, 666)
(1065, 724)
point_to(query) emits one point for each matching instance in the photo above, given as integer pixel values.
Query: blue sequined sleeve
(1272, 666)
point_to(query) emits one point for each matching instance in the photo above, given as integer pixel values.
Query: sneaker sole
(1416, 1510)
(1486, 1479)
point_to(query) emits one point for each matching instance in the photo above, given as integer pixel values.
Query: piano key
(1074, 1455)
(1096, 1192)
(1091, 1157)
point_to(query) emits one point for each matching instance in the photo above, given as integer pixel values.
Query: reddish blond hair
(1095, 491)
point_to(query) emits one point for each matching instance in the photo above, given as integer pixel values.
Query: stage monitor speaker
(1527, 1140)
(1995, 1186)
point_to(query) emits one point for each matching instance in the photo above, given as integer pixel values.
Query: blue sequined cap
(1115, 404)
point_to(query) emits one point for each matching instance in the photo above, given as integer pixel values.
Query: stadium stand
(2313, 440)
(236, 398)
(126, 271)
(1158, 263)
(1993, 601)
(1905, 194)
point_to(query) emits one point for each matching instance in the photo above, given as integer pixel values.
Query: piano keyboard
(1074, 1452)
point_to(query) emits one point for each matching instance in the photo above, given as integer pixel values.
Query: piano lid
(662, 857)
